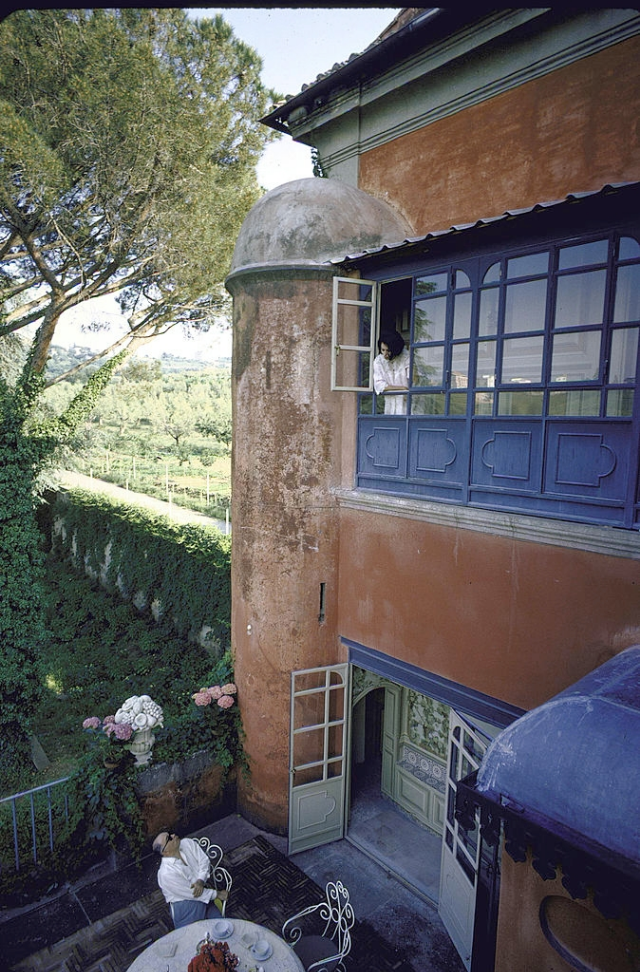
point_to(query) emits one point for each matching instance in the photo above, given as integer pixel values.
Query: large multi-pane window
(523, 373)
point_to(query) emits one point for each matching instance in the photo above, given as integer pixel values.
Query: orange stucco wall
(287, 442)
(519, 621)
(607, 944)
(574, 130)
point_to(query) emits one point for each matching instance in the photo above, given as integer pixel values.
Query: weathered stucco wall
(287, 446)
(608, 945)
(517, 620)
(186, 795)
(574, 130)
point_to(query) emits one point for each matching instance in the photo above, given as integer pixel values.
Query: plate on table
(262, 949)
(223, 928)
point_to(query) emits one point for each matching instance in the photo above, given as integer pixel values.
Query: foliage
(213, 727)
(100, 652)
(21, 571)
(182, 570)
(68, 859)
(129, 145)
(23, 457)
(166, 435)
(105, 808)
(203, 484)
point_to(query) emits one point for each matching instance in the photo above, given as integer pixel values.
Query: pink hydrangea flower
(202, 698)
(109, 727)
(215, 691)
(225, 701)
(229, 689)
(122, 730)
(108, 719)
(91, 723)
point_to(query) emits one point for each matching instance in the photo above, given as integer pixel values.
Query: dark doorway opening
(377, 825)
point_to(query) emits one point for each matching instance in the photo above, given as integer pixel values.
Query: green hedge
(185, 569)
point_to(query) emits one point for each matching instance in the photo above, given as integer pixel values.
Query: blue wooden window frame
(543, 415)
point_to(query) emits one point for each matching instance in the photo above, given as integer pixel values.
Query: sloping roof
(416, 242)
(397, 40)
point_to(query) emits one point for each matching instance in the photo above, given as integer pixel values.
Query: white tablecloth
(174, 951)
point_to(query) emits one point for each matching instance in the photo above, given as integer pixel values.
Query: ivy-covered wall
(177, 572)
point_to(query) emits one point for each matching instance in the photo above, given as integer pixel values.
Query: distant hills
(62, 359)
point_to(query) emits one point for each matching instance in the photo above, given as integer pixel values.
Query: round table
(173, 952)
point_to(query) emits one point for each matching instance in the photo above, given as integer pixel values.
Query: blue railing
(38, 797)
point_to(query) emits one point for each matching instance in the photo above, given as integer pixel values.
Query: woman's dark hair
(394, 342)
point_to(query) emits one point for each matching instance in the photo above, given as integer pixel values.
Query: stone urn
(143, 715)
(141, 745)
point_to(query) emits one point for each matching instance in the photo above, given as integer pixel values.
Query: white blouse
(176, 875)
(394, 372)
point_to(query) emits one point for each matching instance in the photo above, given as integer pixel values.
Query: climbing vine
(27, 445)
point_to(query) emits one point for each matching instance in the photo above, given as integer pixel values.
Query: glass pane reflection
(627, 306)
(493, 274)
(483, 404)
(431, 404)
(458, 403)
(488, 318)
(431, 284)
(430, 320)
(522, 359)
(429, 365)
(576, 356)
(462, 316)
(578, 401)
(629, 248)
(528, 266)
(459, 366)
(583, 255)
(486, 364)
(620, 402)
(520, 403)
(526, 307)
(623, 361)
(580, 299)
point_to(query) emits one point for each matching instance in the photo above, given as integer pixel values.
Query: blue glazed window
(523, 377)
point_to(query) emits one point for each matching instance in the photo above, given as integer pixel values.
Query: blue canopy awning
(563, 781)
(576, 759)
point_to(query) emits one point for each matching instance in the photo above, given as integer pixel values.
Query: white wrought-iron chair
(323, 952)
(219, 878)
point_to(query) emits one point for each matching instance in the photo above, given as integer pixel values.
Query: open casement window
(354, 334)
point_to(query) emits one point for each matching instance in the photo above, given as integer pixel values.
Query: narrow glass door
(460, 848)
(318, 753)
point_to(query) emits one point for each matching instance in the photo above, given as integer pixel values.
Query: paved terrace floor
(102, 925)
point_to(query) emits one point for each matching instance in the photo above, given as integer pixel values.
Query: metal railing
(39, 795)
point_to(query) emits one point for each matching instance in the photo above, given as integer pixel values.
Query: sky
(296, 44)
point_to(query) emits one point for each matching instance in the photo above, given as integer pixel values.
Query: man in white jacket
(182, 874)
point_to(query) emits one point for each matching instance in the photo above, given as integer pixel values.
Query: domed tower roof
(312, 221)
